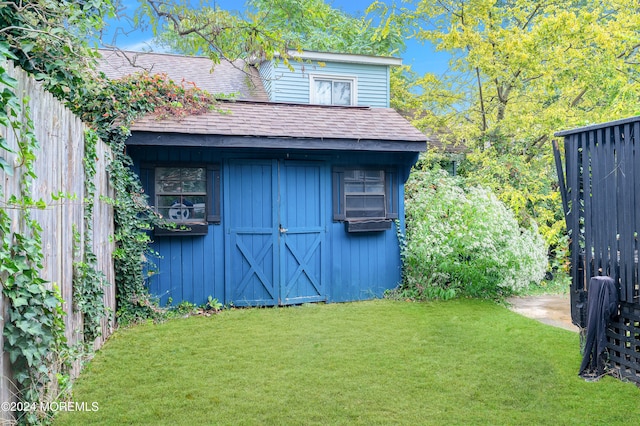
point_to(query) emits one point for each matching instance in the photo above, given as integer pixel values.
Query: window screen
(364, 192)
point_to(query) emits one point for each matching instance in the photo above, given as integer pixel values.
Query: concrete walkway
(552, 309)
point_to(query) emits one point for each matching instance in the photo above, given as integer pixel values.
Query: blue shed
(289, 194)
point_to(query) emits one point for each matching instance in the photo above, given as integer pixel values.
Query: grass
(376, 362)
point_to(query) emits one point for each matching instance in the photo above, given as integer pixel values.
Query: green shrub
(465, 242)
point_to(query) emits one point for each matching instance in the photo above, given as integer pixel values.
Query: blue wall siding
(363, 265)
(266, 74)
(358, 266)
(185, 268)
(288, 86)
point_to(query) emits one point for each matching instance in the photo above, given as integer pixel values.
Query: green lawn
(377, 362)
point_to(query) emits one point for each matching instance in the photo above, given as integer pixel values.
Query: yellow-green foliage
(520, 71)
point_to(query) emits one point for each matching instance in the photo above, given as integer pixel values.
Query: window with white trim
(332, 91)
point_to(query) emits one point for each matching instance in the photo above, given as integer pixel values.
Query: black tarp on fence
(600, 187)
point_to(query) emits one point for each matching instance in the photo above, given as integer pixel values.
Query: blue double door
(275, 232)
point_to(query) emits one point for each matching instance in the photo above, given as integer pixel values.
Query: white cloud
(148, 45)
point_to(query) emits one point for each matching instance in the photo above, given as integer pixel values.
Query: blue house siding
(183, 273)
(266, 75)
(284, 85)
(248, 258)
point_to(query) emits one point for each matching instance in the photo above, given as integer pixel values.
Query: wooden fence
(59, 168)
(601, 198)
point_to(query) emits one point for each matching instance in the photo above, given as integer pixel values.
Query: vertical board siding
(293, 86)
(59, 168)
(602, 166)
(187, 268)
(363, 265)
(351, 267)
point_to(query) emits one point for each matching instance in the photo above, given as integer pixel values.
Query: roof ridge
(142, 52)
(301, 104)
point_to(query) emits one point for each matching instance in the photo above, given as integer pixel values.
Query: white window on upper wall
(330, 90)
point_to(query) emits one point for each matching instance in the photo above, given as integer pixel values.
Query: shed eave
(345, 57)
(141, 138)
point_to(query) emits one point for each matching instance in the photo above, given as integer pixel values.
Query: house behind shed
(290, 193)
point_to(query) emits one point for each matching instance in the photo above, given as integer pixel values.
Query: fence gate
(275, 232)
(600, 186)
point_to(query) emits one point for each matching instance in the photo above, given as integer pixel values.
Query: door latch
(282, 230)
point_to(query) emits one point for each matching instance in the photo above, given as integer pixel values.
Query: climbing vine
(110, 109)
(34, 331)
(42, 39)
(88, 280)
(36, 37)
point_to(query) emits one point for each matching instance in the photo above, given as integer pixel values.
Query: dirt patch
(552, 309)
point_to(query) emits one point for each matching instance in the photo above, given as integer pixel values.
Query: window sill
(183, 230)
(376, 225)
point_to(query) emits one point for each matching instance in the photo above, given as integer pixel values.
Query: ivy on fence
(39, 351)
(88, 282)
(34, 331)
(111, 108)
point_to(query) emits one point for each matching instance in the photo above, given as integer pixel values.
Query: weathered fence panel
(601, 197)
(59, 169)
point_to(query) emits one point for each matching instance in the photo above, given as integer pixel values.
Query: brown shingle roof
(290, 121)
(225, 77)
(253, 115)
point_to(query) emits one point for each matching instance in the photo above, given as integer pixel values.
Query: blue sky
(421, 57)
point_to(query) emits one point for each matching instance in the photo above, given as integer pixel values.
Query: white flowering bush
(465, 242)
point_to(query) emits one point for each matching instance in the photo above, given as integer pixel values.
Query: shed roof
(253, 117)
(269, 119)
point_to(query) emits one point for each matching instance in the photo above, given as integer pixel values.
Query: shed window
(186, 196)
(181, 193)
(365, 196)
(333, 91)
